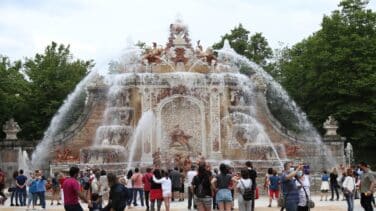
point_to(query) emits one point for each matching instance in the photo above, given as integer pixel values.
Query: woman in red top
(146, 180)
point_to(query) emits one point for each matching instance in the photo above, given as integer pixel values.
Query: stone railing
(6, 144)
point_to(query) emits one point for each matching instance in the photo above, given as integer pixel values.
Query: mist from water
(43, 149)
(129, 68)
(309, 132)
(144, 131)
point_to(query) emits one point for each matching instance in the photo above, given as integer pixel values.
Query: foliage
(255, 47)
(13, 89)
(51, 76)
(334, 72)
(142, 45)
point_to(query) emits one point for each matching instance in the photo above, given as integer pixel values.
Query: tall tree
(258, 49)
(13, 89)
(334, 72)
(53, 75)
(255, 47)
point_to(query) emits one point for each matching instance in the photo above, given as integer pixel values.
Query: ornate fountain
(175, 105)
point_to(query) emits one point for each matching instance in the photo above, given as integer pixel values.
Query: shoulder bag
(310, 203)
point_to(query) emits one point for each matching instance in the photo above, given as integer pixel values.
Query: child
(95, 204)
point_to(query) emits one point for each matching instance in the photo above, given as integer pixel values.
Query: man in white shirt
(190, 174)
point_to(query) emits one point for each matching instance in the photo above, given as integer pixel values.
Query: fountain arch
(164, 129)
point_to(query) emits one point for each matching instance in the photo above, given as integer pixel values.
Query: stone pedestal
(11, 152)
(334, 142)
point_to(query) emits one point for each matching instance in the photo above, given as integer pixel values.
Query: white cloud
(98, 29)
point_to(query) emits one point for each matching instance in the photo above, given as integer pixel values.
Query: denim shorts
(223, 195)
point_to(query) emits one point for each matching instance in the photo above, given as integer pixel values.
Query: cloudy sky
(100, 29)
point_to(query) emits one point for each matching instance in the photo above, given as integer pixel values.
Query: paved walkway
(261, 205)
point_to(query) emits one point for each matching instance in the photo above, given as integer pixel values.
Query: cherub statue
(154, 55)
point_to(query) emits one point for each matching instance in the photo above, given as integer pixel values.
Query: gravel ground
(261, 205)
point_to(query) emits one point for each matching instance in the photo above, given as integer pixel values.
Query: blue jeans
(32, 197)
(141, 191)
(21, 196)
(350, 201)
(42, 199)
(291, 205)
(13, 195)
(130, 193)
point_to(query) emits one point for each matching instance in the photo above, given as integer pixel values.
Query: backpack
(247, 193)
(55, 183)
(120, 192)
(85, 182)
(200, 191)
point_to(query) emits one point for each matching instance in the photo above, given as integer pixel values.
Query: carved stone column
(215, 125)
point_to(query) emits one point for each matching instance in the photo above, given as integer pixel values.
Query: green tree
(281, 55)
(258, 49)
(141, 45)
(53, 75)
(334, 72)
(13, 88)
(255, 47)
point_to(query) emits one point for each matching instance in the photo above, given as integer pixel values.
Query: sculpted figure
(157, 158)
(154, 55)
(187, 163)
(11, 128)
(116, 139)
(216, 145)
(200, 158)
(178, 136)
(199, 50)
(179, 161)
(68, 156)
(234, 97)
(65, 155)
(127, 97)
(292, 150)
(59, 155)
(209, 56)
(331, 126)
(163, 93)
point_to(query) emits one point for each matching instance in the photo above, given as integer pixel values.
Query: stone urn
(11, 128)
